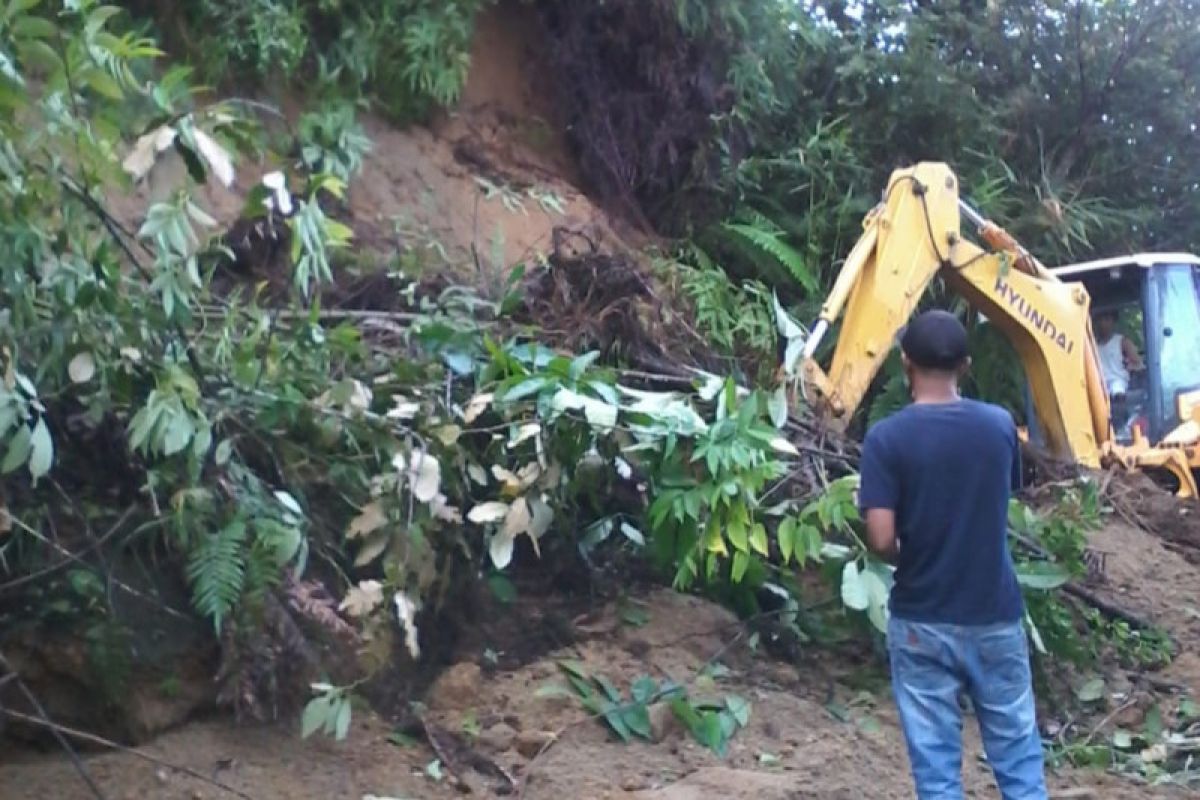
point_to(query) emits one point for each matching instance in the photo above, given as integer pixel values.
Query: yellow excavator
(914, 237)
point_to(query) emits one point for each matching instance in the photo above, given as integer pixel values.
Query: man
(936, 481)
(1118, 356)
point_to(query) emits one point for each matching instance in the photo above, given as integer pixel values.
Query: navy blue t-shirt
(948, 470)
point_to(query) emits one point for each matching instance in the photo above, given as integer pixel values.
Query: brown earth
(809, 735)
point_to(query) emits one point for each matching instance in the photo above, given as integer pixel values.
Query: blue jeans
(931, 664)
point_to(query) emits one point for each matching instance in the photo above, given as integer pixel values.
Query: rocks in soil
(498, 738)
(456, 689)
(531, 743)
(663, 722)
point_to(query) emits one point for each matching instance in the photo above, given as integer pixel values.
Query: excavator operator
(1118, 358)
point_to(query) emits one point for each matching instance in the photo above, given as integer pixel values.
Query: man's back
(947, 469)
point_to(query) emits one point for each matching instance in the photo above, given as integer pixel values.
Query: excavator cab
(1158, 298)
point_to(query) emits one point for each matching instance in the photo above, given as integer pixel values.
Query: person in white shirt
(1118, 356)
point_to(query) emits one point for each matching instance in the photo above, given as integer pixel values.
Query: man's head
(1106, 324)
(934, 349)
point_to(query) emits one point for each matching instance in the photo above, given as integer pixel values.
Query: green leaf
(610, 691)
(524, 389)
(341, 725)
(1042, 575)
(612, 715)
(503, 589)
(41, 454)
(758, 539)
(315, 714)
(643, 689)
(18, 449)
(777, 406)
(637, 719)
(580, 364)
(786, 536)
(739, 707)
(1091, 691)
(102, 83)
(178, 433)
(741, 561)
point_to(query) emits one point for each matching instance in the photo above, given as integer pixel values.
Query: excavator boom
(912, 238)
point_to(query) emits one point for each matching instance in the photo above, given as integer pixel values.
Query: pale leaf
(476, 406)
(518, 518)
(447, 434)
(218, 159)
(781, 445)
(403, 408)
(371, 518)
(500, 548)
(491, 511)
(406, 612)
(424, 475)
(524, 433)
(477, 474)
(541, 517)
(361, 600)
(854, 590)
(444, 511)
(82, 367)
(778, 406)
(376, 543)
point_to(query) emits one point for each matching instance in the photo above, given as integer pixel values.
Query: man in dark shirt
(936, 481)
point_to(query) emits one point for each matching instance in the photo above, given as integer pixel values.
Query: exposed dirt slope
(793, 747)
(483, 185)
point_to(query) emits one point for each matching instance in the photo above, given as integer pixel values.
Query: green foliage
(407, 55)
(713, 724)
(330, 712)
(332, 142)
(737, 320)
(768, 240)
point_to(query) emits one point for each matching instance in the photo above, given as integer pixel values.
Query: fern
(217, 571)
(771, 243)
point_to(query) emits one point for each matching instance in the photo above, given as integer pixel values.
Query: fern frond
(217, 571)
(770, 243)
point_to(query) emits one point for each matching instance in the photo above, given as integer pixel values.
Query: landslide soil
(817, 729)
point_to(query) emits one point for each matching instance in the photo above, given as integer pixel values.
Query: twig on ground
(91, 738)
(44, 720)
(1129, 703)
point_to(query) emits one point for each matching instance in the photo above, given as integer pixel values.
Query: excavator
(914, 237)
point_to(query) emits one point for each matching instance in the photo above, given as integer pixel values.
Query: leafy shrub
(332, 142)
(406, 54)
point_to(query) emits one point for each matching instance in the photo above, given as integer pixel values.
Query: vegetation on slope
(271, 445)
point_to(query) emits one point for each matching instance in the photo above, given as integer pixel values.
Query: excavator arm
(912, 238)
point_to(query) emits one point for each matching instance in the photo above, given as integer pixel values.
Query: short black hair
(935, 340)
